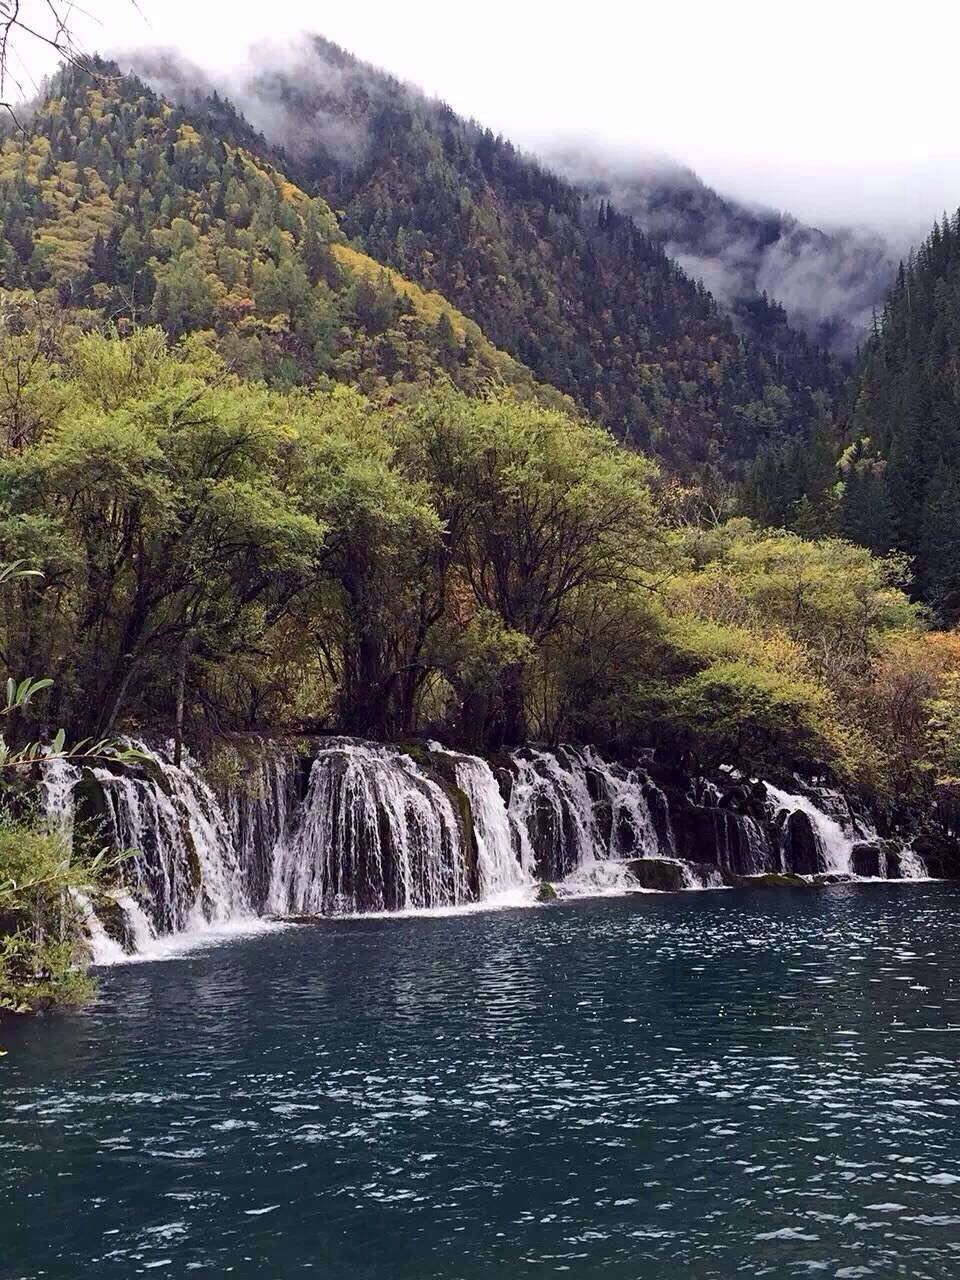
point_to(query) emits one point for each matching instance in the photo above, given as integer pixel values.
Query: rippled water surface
(700, 1085)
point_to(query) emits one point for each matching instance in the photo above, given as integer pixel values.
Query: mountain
(117, 205)
(902, 467)
(891, 479)
(572, 289)
(829, 282)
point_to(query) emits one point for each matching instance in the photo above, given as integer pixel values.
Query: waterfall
(103, 948)
(260, 813)
(362, 827)
(184, 864)
(376, 833)
(571, 809)
(503, 863)
(912, 866)
(834, 843)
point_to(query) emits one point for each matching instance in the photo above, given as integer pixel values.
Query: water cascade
(505, 866)
(376, 833)
(353, 827)
(831, 823)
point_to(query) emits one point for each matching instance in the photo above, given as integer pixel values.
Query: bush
(42, 943)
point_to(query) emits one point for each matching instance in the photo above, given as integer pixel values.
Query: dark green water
(703, 1085)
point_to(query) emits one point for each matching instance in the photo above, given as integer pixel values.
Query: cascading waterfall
(260, 813)
(375, 828)
(504, 865)
(185, 865)
(375, 834)
(834, 841)
(572, 810)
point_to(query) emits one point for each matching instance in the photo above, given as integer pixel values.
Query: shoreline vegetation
(219, 557)
(269, 486)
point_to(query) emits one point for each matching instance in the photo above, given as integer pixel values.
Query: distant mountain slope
(828, 282)
(116, 205)
(902, 470)
(576, 292)
(891, 480)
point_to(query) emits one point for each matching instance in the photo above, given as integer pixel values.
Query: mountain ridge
(577, 293)
(829, 282)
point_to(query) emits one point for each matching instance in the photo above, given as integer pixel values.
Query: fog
(837, 112)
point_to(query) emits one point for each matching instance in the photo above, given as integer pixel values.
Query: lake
(694, 1085)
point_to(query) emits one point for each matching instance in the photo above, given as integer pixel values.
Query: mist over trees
(753, 260)
(573, 289)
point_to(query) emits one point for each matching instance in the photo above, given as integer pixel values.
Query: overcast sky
(834, 109)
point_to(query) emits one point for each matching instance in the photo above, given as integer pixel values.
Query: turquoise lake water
(696, 1085)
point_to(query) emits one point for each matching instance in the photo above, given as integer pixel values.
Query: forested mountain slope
(892, 479)
(117, 205)
(754, 260)
(902, 470)
(575, 291)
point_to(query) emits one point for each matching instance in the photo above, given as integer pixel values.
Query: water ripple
(707, 1087)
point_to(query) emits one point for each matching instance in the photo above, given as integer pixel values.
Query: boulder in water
(768, 880)
(658, 873)
(546, 892)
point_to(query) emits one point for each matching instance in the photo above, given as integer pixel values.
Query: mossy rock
(111, 916)
(546, 892)
(196, 869)
(768, 880)
(153, 770)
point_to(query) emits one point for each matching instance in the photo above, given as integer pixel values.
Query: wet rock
(867, 860)
(658, 873)
(721, 837)
(660, 814)
(940, 854)
(832, 877)
(603, 817)
(801, 849)
(625, 837)
(768, 880)
(546, 892)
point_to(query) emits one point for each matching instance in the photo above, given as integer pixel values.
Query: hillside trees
(115, 206)
(221, 556)
(896, 484)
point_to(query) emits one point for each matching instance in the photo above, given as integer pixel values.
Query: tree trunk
(181, 694)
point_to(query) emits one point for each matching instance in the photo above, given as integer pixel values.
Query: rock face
(867, 860)
(802, 852)
(940, 854)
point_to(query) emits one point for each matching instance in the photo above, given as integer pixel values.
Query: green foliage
(115, 206)
(483, 568)
(41, 936)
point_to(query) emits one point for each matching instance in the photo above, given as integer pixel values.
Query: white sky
(835, 109)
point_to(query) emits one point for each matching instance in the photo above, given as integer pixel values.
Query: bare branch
(44, 22)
